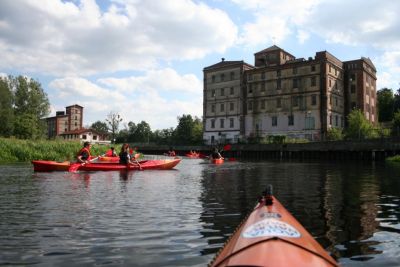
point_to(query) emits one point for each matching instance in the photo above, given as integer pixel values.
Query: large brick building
(285, 95)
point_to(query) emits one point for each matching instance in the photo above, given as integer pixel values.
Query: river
(182, 217)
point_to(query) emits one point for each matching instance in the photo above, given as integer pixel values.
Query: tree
(359, 127)
(113, 120)
(143, 132)
(100, 127)
(184, 130)
(334, 134)
(6, 108)
(385, 99)
(31, 105)
(396, 124)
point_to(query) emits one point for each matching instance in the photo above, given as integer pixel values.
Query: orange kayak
(272, 237)
(217, 161)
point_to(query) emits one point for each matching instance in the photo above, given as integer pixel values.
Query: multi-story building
(70, 120)
(284, 95)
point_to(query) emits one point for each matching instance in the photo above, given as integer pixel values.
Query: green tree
(6, 108)
(184, 130)
(198, 131)
(100, 127)
(385, 104)
(334, 134)
(396, 124)
(113, 120)
(143, 132)
(358, 127)
(31, 105)
(164, 136)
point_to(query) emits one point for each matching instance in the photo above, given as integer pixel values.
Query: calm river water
(182, 217)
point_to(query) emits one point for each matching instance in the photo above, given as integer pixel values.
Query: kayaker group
(126, 156)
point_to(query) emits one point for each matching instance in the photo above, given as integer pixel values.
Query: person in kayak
(124, 156)
(111, 152)
(83, 155)
(215, 154)
(171, 152)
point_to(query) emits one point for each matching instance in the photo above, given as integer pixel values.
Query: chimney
(223, 59)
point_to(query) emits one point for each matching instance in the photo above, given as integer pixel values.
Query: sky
(144, 59)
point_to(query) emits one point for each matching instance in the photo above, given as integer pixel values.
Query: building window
(263, 87)
(295, 83)
(263, 75)
(213, 93)
(294, 70)
(330, 119)
(290, 120)
(353, 105)
(336, 120)
(278, 84)
(213, 79)
(353, 88)
(94, 137)
(278, 73)
(222, 91)
(212, 123)
(222, 77)
(232, 91)
(222, 107)
(263, 104)
(295, 100)
(76, 124)
(313, 81)
(278, 103)
(213, 108)
(250, 88)
(313, 100)
(84, 136)
(250, 106)
(221, 123)
(231, 122)
(232, 75)
(231, 106)
(249, 77)
(330, 83)
(274, 121)
(313, 68)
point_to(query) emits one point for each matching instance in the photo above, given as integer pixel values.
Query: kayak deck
(271, 236)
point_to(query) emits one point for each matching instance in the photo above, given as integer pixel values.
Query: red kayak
(114, 159)
(157, 164)
(272, 237)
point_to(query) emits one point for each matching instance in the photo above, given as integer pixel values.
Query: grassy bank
(16, 150)
(394, 159)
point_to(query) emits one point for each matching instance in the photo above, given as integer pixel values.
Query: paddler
(83, 155)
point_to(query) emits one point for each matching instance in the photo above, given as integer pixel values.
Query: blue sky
(144, 59)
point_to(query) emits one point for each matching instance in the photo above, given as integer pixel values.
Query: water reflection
(182, 217)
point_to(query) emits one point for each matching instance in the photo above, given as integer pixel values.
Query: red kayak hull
(158, 164)
(272, 237)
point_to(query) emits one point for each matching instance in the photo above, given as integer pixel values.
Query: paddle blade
(227, 147)
(74, 167)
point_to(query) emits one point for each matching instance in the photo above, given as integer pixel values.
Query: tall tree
(359, 127)
(385, 105)
(184, 130)
(113, 120)
(31, 105)
(396, 124)
(143, 132)
(100, 126)
(6, 108)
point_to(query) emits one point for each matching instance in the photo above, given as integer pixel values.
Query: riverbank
(17, 150)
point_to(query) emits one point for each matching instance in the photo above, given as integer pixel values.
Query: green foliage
(23, 105)
(385, 104)
(100, 127)
(359, 127)
(6, 109)
(396, 124)
(334, 134)
(188, 130)
(393, 159)
(17, 150)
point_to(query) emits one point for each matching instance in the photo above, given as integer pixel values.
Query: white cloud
(135, 98)
(64, 38)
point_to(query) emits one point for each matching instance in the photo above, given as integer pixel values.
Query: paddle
(75, 166)
(134, 157)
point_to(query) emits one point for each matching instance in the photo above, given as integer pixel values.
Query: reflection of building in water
(350, 204)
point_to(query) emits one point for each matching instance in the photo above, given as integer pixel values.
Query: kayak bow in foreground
(272, 237)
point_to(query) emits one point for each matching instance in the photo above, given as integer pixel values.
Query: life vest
(84, 149)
